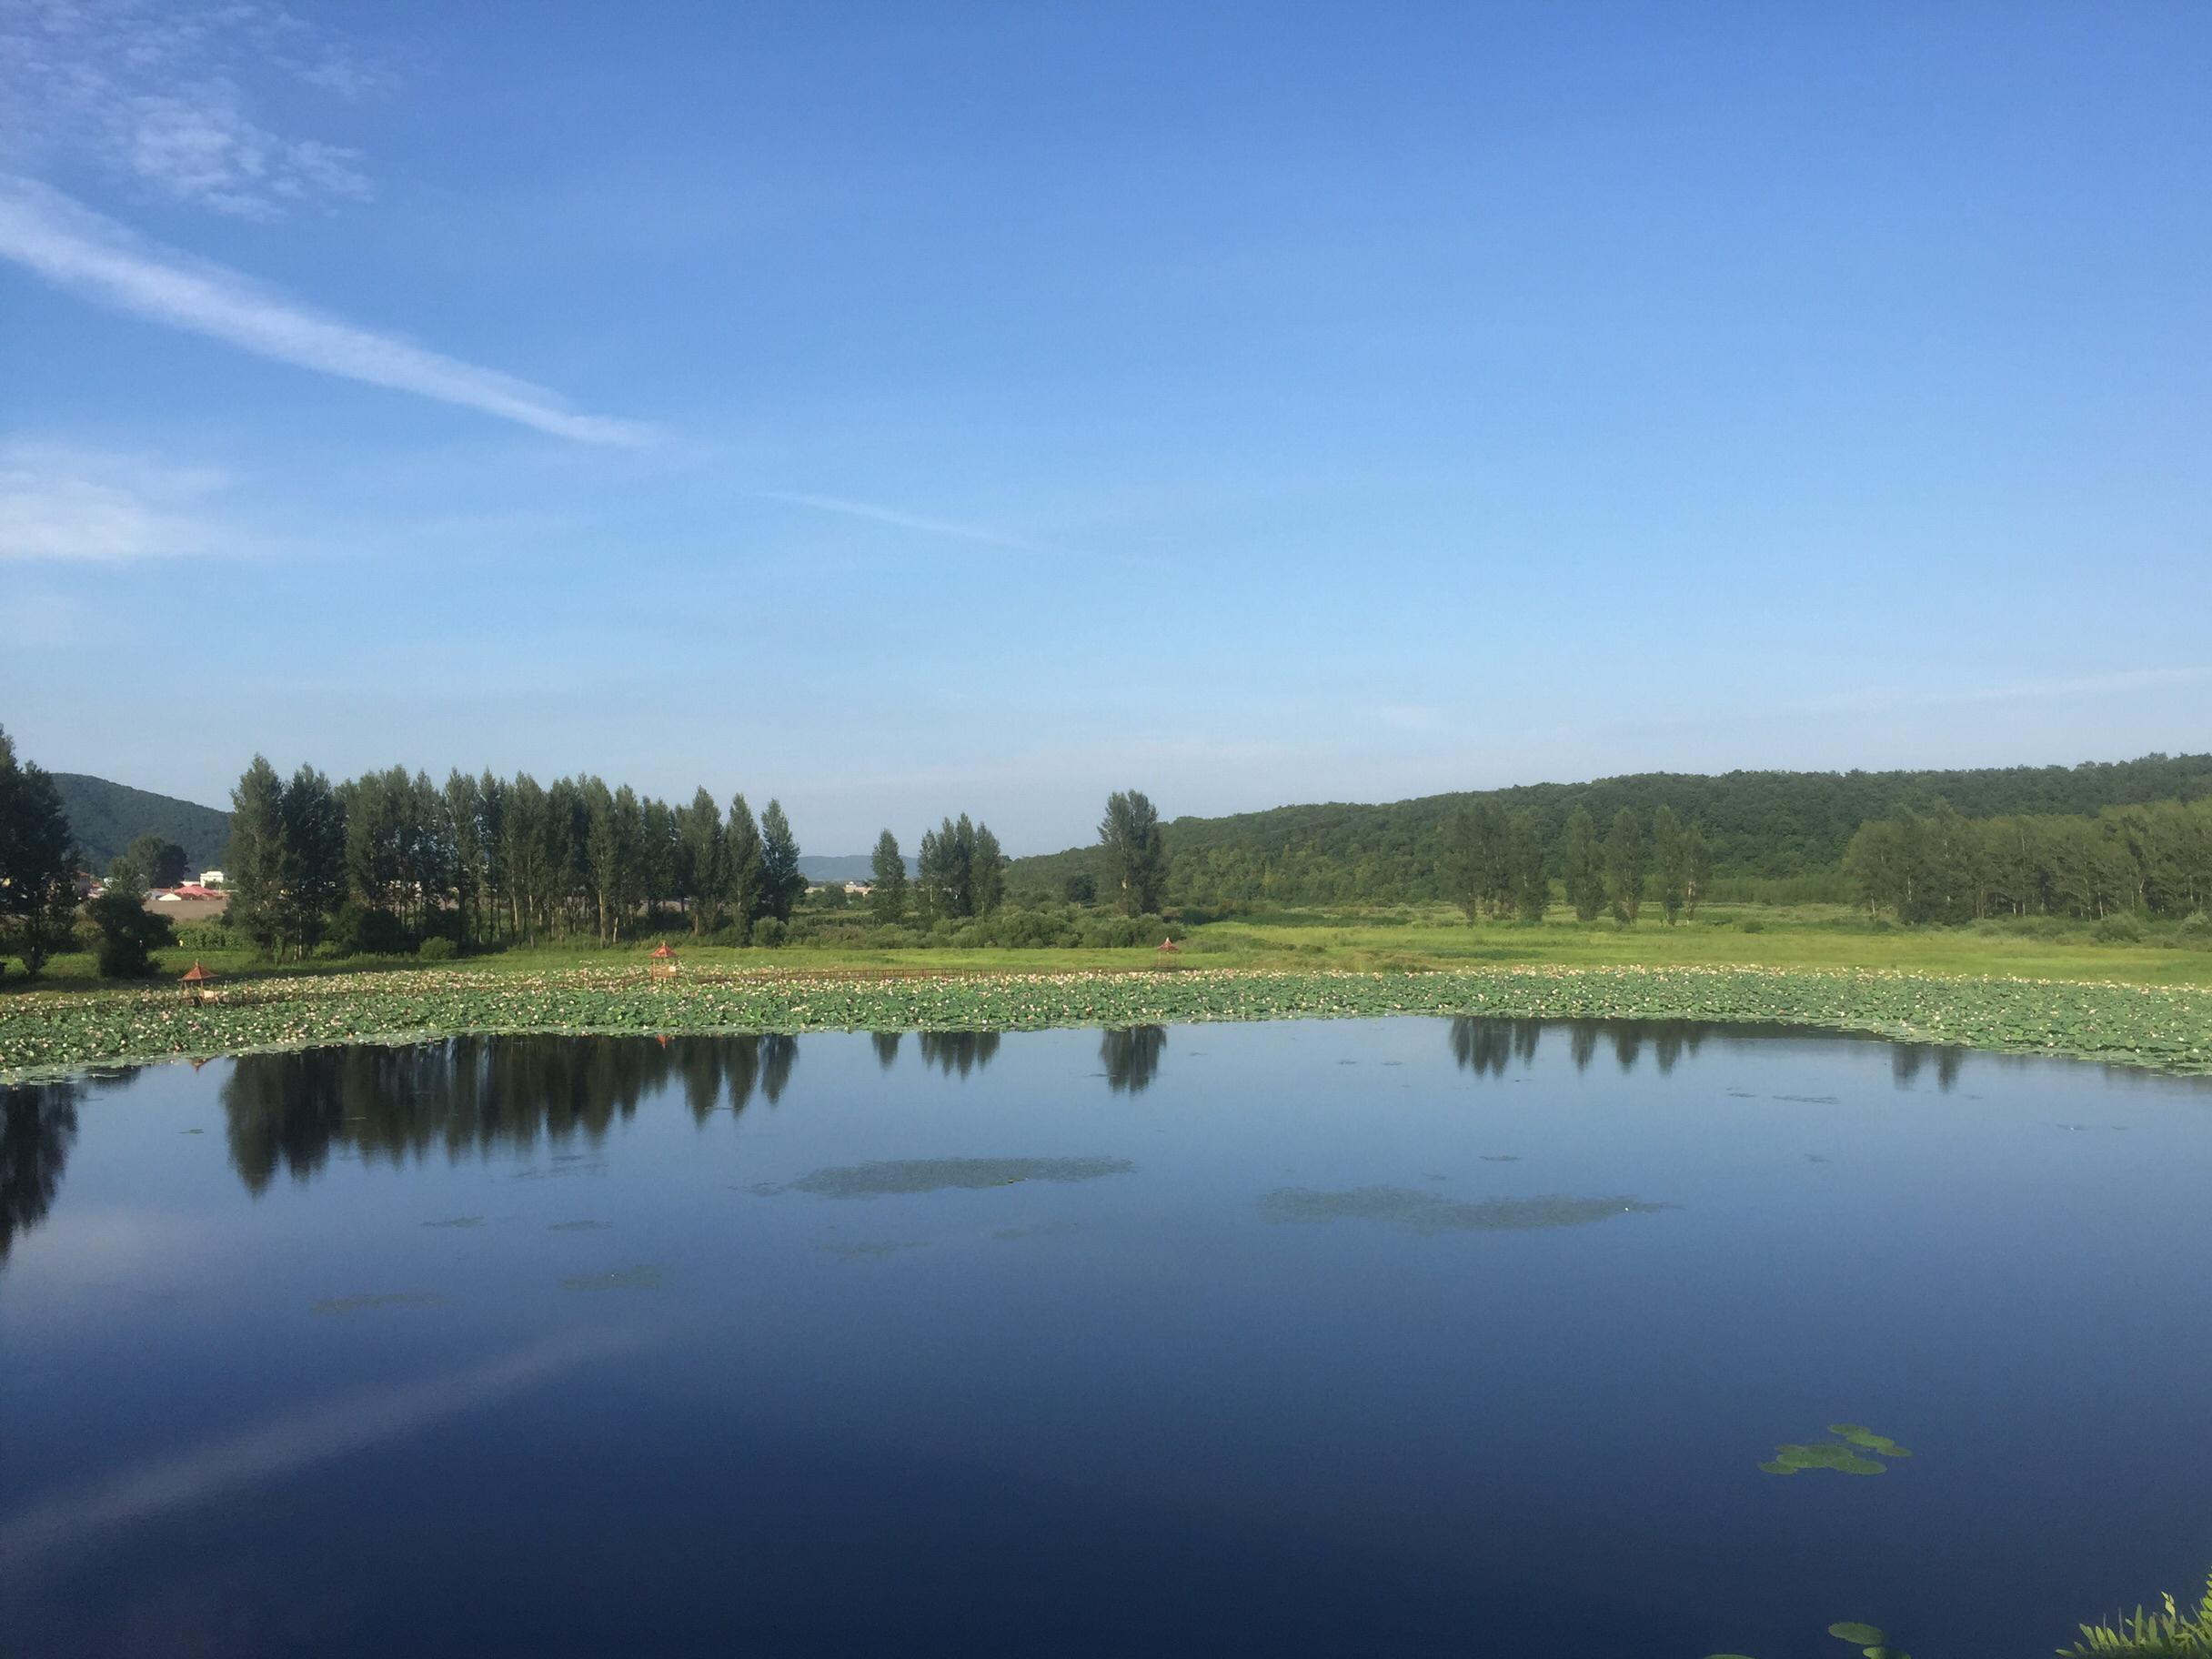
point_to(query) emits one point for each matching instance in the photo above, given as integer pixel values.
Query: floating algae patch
(1859, 1434)
(898, 1177)
(1500, 1157)
(577, 1226)
(457, 1220)
(1429, 1213)
(645, 1276)
(364, 1301)
(1853, 1451)
(874, 1249)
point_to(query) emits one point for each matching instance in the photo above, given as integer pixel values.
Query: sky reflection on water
(1321, 1336)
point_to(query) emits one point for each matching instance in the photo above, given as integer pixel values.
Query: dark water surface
(1336, 1338)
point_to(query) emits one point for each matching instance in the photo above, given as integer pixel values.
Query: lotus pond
(1455, 1334)
(46, 1033)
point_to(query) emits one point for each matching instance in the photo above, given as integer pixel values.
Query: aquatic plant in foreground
(44, 1032)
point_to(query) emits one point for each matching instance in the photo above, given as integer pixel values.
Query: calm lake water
(1448, 1336)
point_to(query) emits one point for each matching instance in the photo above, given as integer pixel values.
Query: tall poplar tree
(1697, 862)
(253, 865)
(1671, 861)
(742, 869)
(1583, 869)
(1136, 853)
(1625, 867)
(987, 877)
(887, 874)
(780, 881)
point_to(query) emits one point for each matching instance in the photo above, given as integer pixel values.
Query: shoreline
(45, 1036)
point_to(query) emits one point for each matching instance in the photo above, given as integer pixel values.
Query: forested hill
(1766, 824)
(106, 817)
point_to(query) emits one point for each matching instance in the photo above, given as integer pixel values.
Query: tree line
(387, 857)
(1941, 866)
(1497, 865)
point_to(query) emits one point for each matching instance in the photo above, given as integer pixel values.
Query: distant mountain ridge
(844, 866)
(107, 817)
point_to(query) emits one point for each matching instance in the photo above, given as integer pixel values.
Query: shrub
(2120, 928)
(1752, 924)
(128, 933)
(437, 948)
(770, 932)
(207, 935)
(2195, 933)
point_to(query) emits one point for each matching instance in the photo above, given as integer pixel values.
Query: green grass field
(2036, 991)
(1823, 936)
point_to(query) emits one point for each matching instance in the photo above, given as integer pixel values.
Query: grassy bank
(2167, 1027)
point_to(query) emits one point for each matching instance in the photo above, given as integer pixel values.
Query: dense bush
(437, 948)
(208, 936)
(129, 934)
(768, 932)
(2120, 930)
(2195, 933)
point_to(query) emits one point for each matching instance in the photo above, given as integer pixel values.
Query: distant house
(211, 878)
(859, 889)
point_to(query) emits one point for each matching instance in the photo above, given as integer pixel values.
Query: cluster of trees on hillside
(388, 858)
(1941, 866)
(1769, 826)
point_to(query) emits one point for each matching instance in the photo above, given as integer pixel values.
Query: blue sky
(909, 409)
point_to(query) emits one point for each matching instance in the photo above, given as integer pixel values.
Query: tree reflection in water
(37, 1128)
(1132, 1057)
(1482, 1044)
(960, 1051)
(1907, 1059)
(475, 1094)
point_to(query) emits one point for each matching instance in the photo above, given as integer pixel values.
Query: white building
(211, 878)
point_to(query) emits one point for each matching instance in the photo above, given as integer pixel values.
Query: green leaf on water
(1860, 1636)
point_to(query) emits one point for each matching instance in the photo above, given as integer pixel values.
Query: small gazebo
(1167, 947)
(196, 982)
(664, 958)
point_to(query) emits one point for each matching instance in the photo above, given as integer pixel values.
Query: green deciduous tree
(887, 874)
(38, 862)
(1698, 860)
(780, 881)
(1136, 851)
(1531, 884)
(1625, 868)
(158, 858)
(1584, 868)
(987, 876)
(742, 867)
(1670, 863)
(129, 932)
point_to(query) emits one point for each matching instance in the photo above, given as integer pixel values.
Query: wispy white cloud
(901, 520)
(79, 250)
(1875, 699)
(63, 504)
(154, 91)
